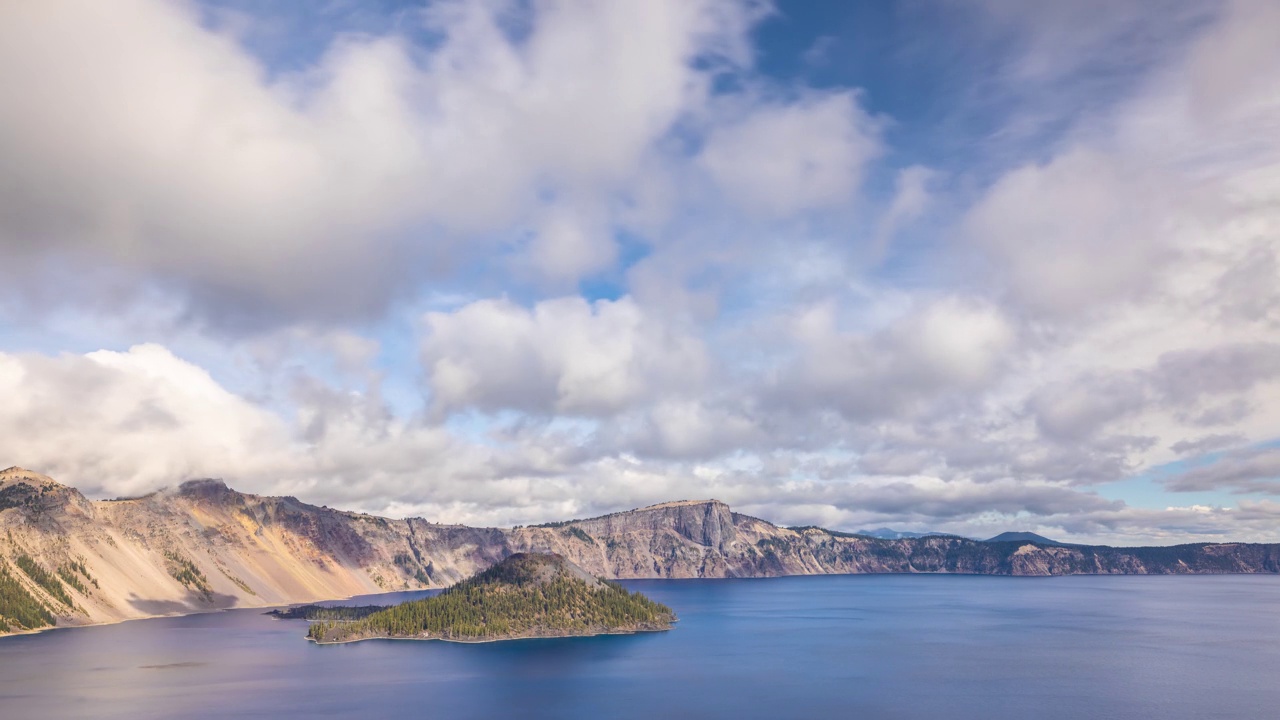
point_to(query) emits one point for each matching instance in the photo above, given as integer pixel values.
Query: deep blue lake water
(871, 646)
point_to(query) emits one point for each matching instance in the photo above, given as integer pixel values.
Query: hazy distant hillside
(888, 534)
(203, 546)
(1024, 537)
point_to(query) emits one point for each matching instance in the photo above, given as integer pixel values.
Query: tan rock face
(205, 546)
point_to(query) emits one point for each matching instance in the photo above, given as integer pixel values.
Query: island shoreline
(107, 623)
(493, 640)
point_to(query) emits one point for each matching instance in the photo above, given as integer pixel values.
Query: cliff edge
(203, 546)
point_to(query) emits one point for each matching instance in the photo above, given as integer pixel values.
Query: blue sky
(971, 265)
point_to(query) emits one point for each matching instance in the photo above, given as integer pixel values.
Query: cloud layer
(510, 262)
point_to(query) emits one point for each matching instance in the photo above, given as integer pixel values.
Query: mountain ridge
(885, 533)
(1025, 537)
(205, 546)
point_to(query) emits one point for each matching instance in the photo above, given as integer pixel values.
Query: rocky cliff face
(204, 546)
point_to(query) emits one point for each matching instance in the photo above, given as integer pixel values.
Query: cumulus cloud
(126, 423)
(561, 356)
(1177, 381)
(156, 147)
(953, 343)
(557, 259)
(1132, 257)
(1082, 230)
(148, 403)
(781, 158)
(1187, 375)
(1083, 406)
(129, 421)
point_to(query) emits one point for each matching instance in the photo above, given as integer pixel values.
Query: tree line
(510, 599)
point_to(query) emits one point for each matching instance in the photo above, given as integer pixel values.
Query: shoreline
(496, 640)
(37, 631)
(210, 611)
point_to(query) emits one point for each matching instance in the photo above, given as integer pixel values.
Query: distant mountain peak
(19, 473)
(1024, 537)
(208, 489)
(38, 494)
(16, 474)
(885, 533)
(202, 483)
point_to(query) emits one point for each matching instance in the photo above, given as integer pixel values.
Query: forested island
(524, 596)
(67, 560)
(325, 612)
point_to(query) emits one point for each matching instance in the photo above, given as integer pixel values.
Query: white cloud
(945, 345)
(92, 419)
(910, 199)
(130, 421)
(561, 356)
(1255, 470)
(1136, 257)
(1107, 304)
(1080, 231)
(1083, 406)
(782, 158)
(566, 246)
(137, 139)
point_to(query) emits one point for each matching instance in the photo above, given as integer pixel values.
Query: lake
(868, 646)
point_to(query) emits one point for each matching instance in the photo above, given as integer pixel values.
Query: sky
(953, 265)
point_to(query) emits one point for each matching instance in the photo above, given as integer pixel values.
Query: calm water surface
(841, 647)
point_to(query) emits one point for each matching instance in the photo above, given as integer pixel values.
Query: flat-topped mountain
(1024, 537)
(524, 596)
(204, 546)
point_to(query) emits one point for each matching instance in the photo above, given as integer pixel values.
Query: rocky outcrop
(707, 523)
(205, 546)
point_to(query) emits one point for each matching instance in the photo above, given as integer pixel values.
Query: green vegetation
(556, 523)
(186, 572)
(79, 566)
(18, 495)
(43, 578)
(568, 527)
(70, 578)
(413, 566)
(239, 583)
(19, 609)
(331, 614)
(771, 548)
(525, 595)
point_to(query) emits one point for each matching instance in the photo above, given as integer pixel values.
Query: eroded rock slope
(204, 546)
